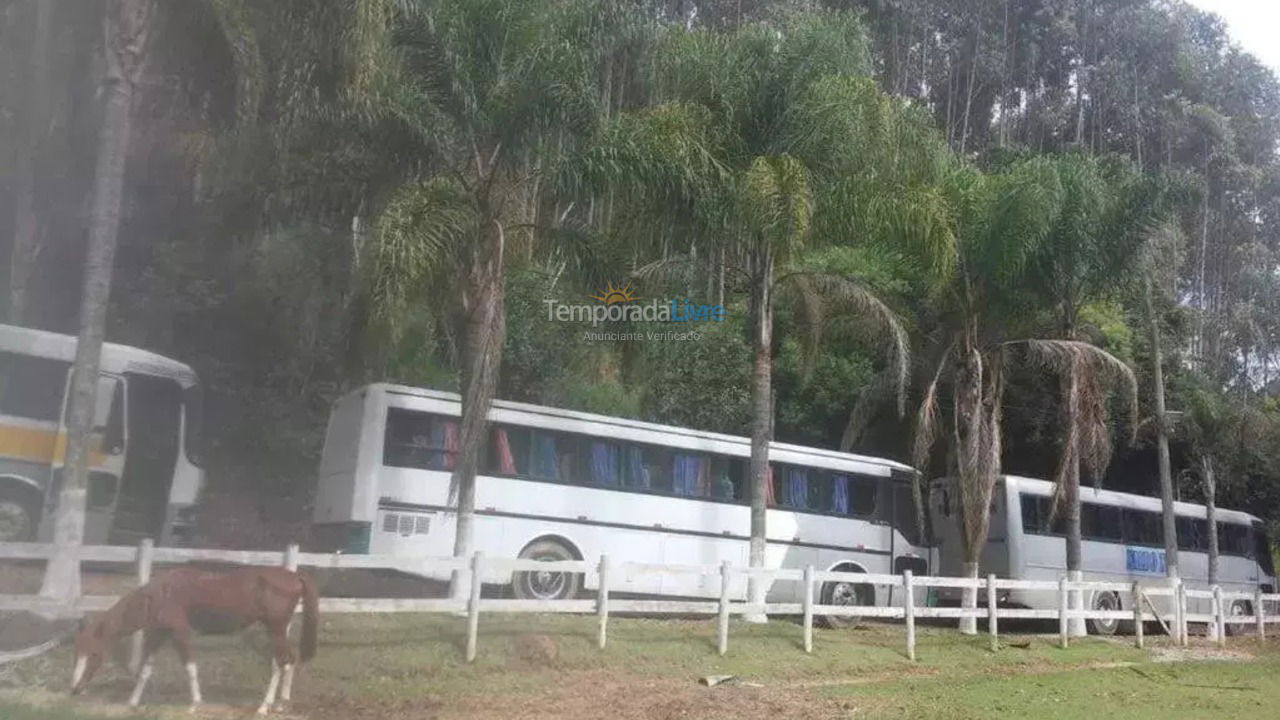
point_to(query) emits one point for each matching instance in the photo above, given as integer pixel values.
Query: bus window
(1262, 549)
(508, 452)
(420, 440)
(605, 460)
(1233, 539)
(726, 478)
(1143, 528)
(1100, 523)
(1192, 534)
(647, 468)
(558, 456)
(32, 387)
(690, 475)
(795, 487)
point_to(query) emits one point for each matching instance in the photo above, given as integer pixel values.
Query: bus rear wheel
(18, 518)
(1239, 609)
(1108, 602)
(546, 585)
(846, 594)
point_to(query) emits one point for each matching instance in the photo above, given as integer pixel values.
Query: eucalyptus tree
(496, 93)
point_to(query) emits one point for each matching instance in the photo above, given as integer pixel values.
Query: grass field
(409, 667)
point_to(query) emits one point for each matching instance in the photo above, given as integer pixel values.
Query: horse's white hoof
(262, 709)
(193, 709)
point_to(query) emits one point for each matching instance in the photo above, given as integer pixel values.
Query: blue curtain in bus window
(637, 472)
(604, 464)
(686, 474)
(545, 461)
(840, 494)
(797, 488)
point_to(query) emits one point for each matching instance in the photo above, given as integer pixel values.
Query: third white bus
(1122, 540)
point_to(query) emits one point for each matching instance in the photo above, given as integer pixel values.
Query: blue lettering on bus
(1145, 560)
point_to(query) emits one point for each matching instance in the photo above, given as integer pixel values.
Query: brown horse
(187, 600)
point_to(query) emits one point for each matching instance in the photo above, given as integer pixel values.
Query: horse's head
(92, 644)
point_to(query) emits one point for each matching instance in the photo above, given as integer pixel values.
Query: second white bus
(567, 485)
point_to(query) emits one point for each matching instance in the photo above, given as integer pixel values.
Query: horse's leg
(270, 697)
(152, 639)
(282, 663)
(182, 638)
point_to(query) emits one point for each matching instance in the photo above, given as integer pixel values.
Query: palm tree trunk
(1211, 504)
(1162, 439)
(26, 230)
(1069, 477)
(969, 423)
(126, 24)
(485, 331)
(761, 422)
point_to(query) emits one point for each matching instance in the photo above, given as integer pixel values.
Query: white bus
(144, 474)
(561, 485)
(1122, 540)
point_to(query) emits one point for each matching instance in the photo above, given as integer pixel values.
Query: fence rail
(476, 568)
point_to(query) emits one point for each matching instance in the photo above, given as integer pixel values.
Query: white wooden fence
(1138, 594)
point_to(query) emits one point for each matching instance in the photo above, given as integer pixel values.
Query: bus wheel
(848, 594)
(17, 518)
(1108, 602)
(546, 585)
(1239, 609)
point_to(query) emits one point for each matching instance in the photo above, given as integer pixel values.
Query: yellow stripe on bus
(39, 445)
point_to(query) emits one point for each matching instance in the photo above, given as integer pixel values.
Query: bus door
(154, 411)
(107, 442)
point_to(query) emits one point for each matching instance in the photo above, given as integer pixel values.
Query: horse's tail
(310, 617)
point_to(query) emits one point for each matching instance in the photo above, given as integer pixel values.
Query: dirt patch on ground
(1198, 654)
(600, 694)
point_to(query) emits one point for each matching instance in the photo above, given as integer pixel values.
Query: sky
(1254, 24)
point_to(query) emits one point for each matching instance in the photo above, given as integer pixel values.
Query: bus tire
(19, 515)
(1105, 601)
(1237, 609)
(845, 593)
(546, 585)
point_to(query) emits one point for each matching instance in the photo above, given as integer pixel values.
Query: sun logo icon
(612, 295)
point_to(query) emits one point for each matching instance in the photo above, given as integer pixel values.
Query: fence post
(808, 608)
(146, 553)
(1062, 611)
(722, 619)
(1137, 615)
(1220, 616)
(1184, 638)
(1174, 582)
(1260, 613)
(291, 557)
(909, 612)
(602, 600)
(992, 621)
(473, 606)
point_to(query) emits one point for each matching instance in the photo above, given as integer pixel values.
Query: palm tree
(127, 24)
(1104, 213)
(773, 143)
(497, 94)
(997, 222)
